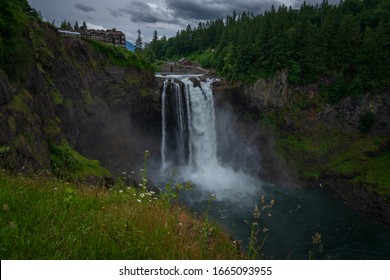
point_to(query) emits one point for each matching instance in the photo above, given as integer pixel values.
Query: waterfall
(193, 119)
(189, 139)
(163, 125)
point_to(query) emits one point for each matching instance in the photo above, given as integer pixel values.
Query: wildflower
(262, 199)
(141, 170)
(316, 238)
(121, 191)
(269, 215)
(272, 202)
(255, 224)
(142, 195)
(180, 224)
(144, 180)
(132, 172)
(55, 189)
(124, 173)
(139, 200)
(5, 207)
(152, 192)
(140, 185)
(256, 213)
(265, 229)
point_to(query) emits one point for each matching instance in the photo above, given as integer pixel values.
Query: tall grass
(43, 218)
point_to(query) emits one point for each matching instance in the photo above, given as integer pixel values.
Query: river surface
(296, 216)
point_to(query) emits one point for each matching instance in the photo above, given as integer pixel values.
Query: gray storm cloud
(85, 8)
(208, 9)
(140, 11)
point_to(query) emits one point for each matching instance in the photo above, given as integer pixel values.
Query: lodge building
(111, 36)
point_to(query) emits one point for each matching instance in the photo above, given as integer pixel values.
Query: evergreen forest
(346, 45)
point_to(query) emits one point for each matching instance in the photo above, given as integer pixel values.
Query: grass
(43, 218)
(69, 164)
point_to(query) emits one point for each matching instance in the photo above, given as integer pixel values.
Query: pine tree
(138, 42)
(155, 36)
(64, 24)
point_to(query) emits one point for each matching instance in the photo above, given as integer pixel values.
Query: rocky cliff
(103, 102)
(305, 140)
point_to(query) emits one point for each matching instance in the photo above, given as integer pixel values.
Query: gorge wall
(306, 141)
(76, 92)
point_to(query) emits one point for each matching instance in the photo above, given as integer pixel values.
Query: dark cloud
(211, 9)
(143, 12)
(85, 8)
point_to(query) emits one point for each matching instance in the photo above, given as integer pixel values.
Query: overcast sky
(165, 16)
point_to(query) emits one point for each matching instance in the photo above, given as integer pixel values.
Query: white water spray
(163, 138)
(195, 140)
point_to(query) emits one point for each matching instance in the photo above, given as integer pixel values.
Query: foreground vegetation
(44, 218)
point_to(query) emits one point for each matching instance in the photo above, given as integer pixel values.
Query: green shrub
(69, 164)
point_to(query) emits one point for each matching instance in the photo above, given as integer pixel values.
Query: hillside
(66, 93)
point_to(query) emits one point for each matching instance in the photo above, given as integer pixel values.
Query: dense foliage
(15, 52)
(348, 43)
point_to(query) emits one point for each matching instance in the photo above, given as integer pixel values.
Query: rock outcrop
(305, 141)
(71, 91)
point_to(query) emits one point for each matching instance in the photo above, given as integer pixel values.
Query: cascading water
(163, 138)
(193, 139)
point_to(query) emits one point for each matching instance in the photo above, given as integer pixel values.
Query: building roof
(68, 32)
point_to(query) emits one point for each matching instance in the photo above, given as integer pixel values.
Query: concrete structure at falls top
(188, 122)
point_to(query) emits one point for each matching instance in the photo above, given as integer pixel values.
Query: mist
(218, 161)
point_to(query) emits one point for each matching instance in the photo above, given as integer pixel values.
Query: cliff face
(74, 92)
(304, 140)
